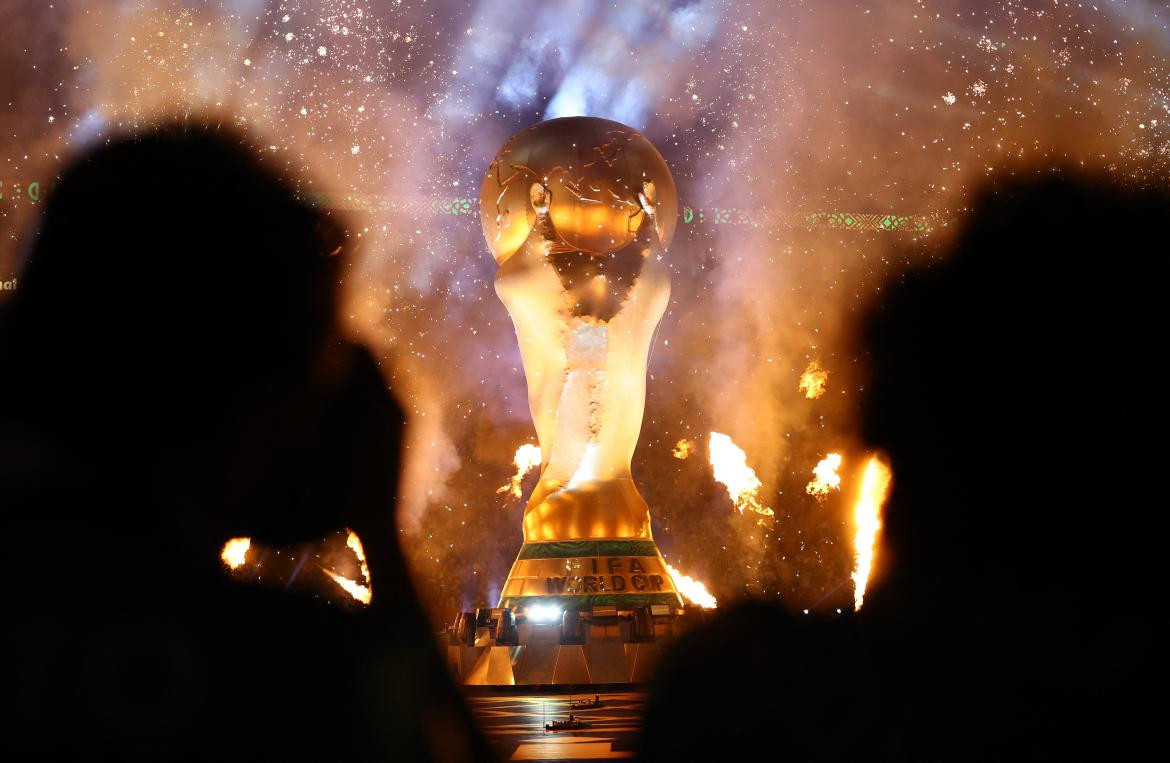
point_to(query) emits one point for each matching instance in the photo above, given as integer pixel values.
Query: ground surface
(514, 724)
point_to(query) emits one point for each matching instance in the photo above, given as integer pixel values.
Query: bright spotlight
(543, 613)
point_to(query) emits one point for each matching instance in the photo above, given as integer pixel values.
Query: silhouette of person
(1009, 386)
(174, 376)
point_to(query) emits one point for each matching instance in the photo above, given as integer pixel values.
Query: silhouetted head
(756, 677)
(177, 258)
(175, 334)
(1008, 385)
(1012, 386)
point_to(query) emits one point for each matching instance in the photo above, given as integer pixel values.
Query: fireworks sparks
(527, 458)
(825, 477)
(867, 519)
(683, 449)
(813, 380)
(235, 552)
(694, 591)
(729, 463)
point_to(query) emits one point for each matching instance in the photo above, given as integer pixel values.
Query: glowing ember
(235, 551)
(357, 590)
(825, 477)
(527, 458)
(694, 591)
(729, 464)
(813, 380)
(683, 448)
(867, 516)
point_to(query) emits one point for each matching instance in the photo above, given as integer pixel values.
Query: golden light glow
(359, 591)
(867, 519)
(526, 459)
(694, 591)
(235, 552)
(683, 448)
(813, 380)
(729, 464)
(825, 477)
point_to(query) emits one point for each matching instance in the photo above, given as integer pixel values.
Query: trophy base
(573, 613)
(582, 574)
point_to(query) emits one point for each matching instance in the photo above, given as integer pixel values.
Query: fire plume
(527, 458)
(353, 588)
(729, 464)
(683, 448)
(813, 380)
(359, 591)
(354, 543)
(235, 552)
(867, 518)
(694, 591)
(825, 477)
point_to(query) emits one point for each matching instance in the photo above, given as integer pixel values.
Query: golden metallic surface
(582, 576)
(597, 509)
(596, 178)
(578, 213)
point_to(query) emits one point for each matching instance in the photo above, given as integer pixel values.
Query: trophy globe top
(599, 182)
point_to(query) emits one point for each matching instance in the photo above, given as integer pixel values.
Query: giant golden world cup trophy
(578, 213)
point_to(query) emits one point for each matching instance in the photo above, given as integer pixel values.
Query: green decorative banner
(579, 548)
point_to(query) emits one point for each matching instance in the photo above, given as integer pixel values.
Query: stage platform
(514, 722)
